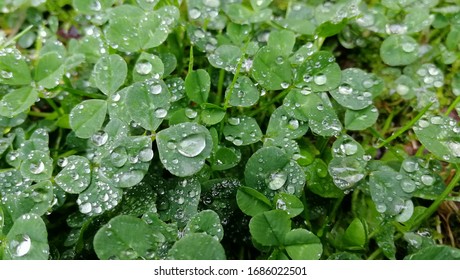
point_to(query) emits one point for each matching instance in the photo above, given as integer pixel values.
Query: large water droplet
(99, 138)
(85, 208)
(345, 89)
(406, 214)
(410, 165)
(192, 145)
(276, 180)
(146, 155)
(320, 79)
(427, 180)
(408, 47)
(194, 13)
(143, 67)
(20, 245)
(119, 156)
(6, 74)
(155, 89)
(454, 148)
(160, 113)
(37, 168)
(408, 185)
(95, 5)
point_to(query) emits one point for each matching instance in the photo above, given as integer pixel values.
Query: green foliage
(214, 130)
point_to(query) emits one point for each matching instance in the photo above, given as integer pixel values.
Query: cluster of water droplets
(430, 76)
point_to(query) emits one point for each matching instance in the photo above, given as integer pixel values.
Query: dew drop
(410, 165)
(95, 5)
(192, 145)
(160, 113)
(320, 79)
(402, 89)
(143, 67)
(234, 121)
(284, 85)
(6, 74)
(345, 89)
(146, 155)
(408, 186)
(293, 124)
(276, 180)
(20, 245)
(305, 91)
(155, 89)
(190, 113)
(85, 208)
(237, 142)
(194, 13)
(99, 138)
(116, 97)
(427, 180)
(37, 168)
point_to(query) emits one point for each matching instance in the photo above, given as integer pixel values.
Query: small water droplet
(116, 97)
(293, 124)
(408, 186)
(37, 168)
(234, 121)
(155, 89)
(143, 67)
(408, 47)
(237, 142)
(190, 113)
(345, 89)
(6, 74)
(276, 180)
(192, 145)
(20, 245)
(95, 5)
(160, 113)
(305, 91)
(284, 85)
(99, 138)
(320, 79)
(146, 155)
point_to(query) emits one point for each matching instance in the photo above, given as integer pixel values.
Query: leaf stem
(220, 86)
(452, 106)
(84, 93)
(17, 36)
(434, 206)
(406, 127)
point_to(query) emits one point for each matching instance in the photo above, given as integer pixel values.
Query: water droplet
(171, 145)
(155, 89)
(194, 13)
(345, 89)
(305, 91)
(381, 208)
(234, 121)
(407, 211)
(408, 186)
(6, 74)
(85, 208)
(454, 148)
(423, 123)
(276, 180)
(293, 124)
(37, 168)
(307, 78)
(62, 162)
(192, 145)
(237, 142)
(402, 89)
(320, 107)
(146, 155)
(408, 47)
(427, 180)
(116, 97)
(279, 60)
(284, 85)
(436, 120)
(180, 200)
(95, 5)
(368, 83)
(350, 148)
(160, 113)
(99, 138)
(190, 113)
(119, 156)
(410, 165)
(143, 67)
(20, 245)
(320, 79)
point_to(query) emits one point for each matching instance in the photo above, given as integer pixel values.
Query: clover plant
(211, 129)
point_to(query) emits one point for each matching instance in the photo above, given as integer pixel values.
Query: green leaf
(319, 180)
(270, 228)
(225, 57)
(17, 101)
(242, 131)
(101, 195)
(126, 238)
(37, 166)
(289, 203)
(252, 202)
(260, 4)
(355, 235)
(87, 117)
(357, 89)
(361, 119)
(440, 135)
(212, 114)
(148, 66)
(244, 93)
(197, 85)
(397, 50)
(271, 70)
(75, 176)
(270, 176)
(27, 239)
(197, 246)
(148, 103)
(319, 72)
(92, 7)
(225, 158)
(281, 41)
(13, 68)
(206, 221)
(110, 73)
(437, 252)
(281, 126)
(49, 70)
(184, 147)
(303, 245)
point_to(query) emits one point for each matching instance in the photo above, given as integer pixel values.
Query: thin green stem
(220, 86)
(452, 106)
(190, 60)
(406, 127)
(331, 216)
(48, 116)
(435, 205)
(17, 36)
(275, 99)
(84, 93)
